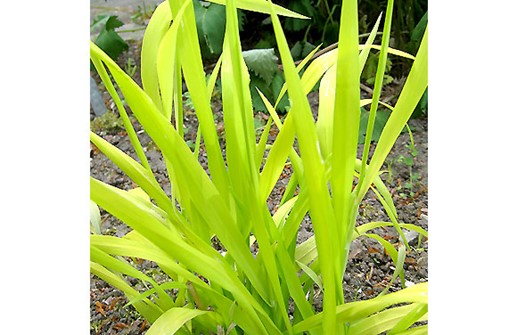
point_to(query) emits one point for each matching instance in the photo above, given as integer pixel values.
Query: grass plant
(239, 291)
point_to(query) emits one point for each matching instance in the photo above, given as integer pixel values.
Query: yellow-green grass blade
(384, 196)
(413, 89)
(291, 186)
(321, 64)
(192, 66)
(178, 99)
(281, 213)
(95, 218)
(345, 125)
(146, 308)
(376, 224)
(379, 78)
(399, 269)
(324, 125)
(157, 27)
(386, 320)
(238, 115)
(168, 66)
(324, 67)
(287, 273)
(141, 176)
(314, 173)
(391, 215)
(157, 234)
(292, 224)
(299, 67)
(382, 192)
(240, 151)
(418, 330)
(96, 255)
(133, 138)
(262, 143)
(311, 274)
(393, 51)
(416, 314)
(307, 59)
(363, 55)
(272, 111)
(148, 293)
(173, 319)
(306, 252)
(261, 6)
(169, 79)
(213, 76)
(197, 145)
(122, 205)
(295, 158)
(189, 174)
(180, 320)
(142, 248)
(277, 155)
(388, 247)
(136, 214)
(354, 311)
(292, 280)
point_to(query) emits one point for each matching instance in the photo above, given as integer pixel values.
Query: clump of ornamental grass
(240, 291)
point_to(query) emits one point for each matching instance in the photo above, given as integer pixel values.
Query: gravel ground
(369, 268)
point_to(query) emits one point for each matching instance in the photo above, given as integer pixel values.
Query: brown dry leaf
(369, 292)
(99, 308)
(113, 302)
(143, 326)
(373, 250)
(120, 326)
(410, 261)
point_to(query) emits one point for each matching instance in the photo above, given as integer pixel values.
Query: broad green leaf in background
(380, 120)
(302, 7)
(263, 62)
(210, 22)
(108, 39)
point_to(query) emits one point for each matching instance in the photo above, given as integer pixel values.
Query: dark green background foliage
(210, 22)
(409, 22)
(265, 76)
(108, 39)
(258, 42)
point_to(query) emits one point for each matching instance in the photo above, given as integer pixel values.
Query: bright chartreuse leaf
(95, 218)
(172, 320)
